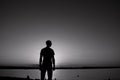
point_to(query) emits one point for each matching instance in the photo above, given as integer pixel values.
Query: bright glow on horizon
(80, 34)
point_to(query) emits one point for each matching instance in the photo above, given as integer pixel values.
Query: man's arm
(40, 60)
(53, 60)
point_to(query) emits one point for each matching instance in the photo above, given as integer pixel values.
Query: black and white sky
(83, 32)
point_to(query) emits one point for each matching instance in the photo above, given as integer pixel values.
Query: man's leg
(43, 74)
(49, 74)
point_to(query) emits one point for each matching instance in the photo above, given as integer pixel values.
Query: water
(73, 74)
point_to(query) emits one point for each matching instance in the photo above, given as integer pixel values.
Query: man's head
(48, 43)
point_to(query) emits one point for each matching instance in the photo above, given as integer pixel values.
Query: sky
(82, 33)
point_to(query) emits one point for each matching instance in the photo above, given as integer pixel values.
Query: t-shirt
(47, 54)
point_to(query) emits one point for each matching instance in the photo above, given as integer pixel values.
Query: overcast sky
(82, 33)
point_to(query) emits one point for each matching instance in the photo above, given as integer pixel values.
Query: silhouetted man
(47, 61)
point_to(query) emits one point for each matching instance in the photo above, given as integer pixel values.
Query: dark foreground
(16, 78)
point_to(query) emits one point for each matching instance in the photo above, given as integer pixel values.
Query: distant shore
(37, 67)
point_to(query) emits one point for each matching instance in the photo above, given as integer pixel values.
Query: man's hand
(40, 67)
(54, 68)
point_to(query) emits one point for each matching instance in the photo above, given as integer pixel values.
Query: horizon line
(61, 67)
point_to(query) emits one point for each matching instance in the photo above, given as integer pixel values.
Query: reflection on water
(88, 74)
(73, 74)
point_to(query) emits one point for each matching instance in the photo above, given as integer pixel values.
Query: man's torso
(47, 54)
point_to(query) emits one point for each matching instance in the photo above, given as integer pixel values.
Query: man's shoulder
(51, 48)
(52, 51)
(43, 49)
(46, 48)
